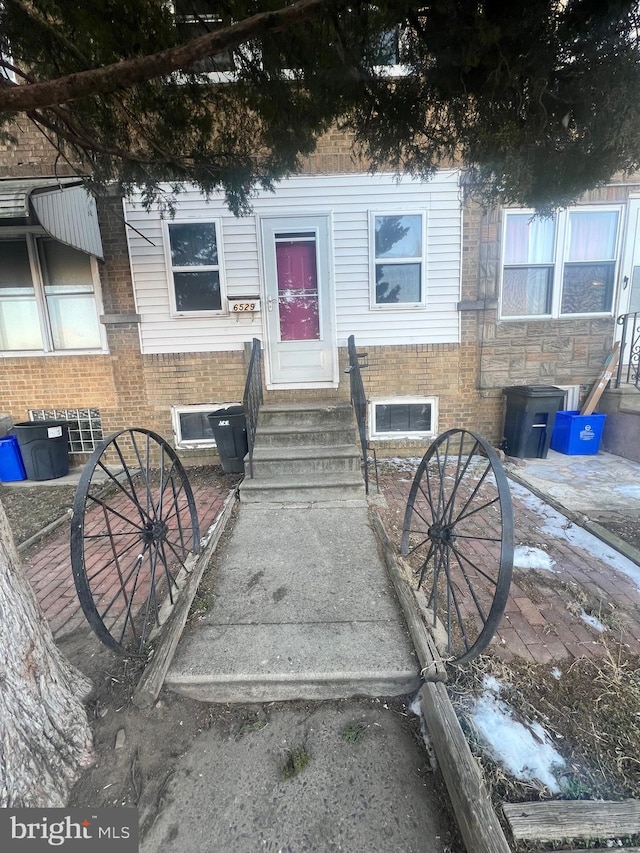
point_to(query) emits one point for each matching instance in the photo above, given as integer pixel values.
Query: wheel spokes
(132, 532)
(458, 537)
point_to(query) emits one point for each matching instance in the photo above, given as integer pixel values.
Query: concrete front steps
(305, 452)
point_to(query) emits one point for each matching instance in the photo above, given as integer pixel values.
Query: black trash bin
(230, 432)
(529, 419)
(44, 446)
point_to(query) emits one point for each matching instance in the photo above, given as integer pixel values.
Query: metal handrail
(629, 373)
(359, 403)
(253, 398)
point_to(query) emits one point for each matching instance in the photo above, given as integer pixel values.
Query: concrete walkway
(304, 609)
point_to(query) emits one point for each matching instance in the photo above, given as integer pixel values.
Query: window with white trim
(560, 265)
(48, 297)
(195, 263)
(403, 418)
(398, 264)
(191, 426)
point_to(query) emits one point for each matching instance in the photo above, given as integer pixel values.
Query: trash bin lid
(45, 423)
(534, 390)
(226, 410)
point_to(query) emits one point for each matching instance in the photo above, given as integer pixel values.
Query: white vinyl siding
(349, 199)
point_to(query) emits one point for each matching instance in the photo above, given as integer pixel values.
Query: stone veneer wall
(535, 352)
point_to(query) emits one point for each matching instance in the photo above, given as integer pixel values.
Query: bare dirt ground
(626, 527)
(29, 510)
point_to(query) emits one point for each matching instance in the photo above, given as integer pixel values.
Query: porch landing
(622, 428)
(304, 609)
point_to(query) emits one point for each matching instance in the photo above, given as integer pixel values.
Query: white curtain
(529, 239)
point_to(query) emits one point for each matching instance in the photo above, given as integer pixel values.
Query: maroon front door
(299, 315)
(297, 289)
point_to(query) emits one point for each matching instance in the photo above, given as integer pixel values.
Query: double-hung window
(398, 260)
(48, 300)
(561, 265)
(195, 263)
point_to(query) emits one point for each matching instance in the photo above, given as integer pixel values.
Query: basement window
(403, 418)
(191, 427)
(85, 426)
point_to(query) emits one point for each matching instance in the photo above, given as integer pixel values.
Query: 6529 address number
(245, 306)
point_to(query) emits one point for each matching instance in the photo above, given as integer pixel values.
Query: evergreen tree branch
(110, 78)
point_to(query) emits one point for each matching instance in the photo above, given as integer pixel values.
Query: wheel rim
(458, 538)
(133, 527)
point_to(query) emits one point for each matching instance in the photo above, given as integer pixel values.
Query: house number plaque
(244, 306)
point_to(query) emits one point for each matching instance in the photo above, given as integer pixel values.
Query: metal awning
(62, 206)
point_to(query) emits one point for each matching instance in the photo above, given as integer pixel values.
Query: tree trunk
(45, 739)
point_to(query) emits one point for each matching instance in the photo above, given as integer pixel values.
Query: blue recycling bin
(577, 435)
(11, 464)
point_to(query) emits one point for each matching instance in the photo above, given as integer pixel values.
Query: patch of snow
(401, 463)
(595, 623)
(525, 751)
(490, 683)
(416, 708)
(556, 673)
(557, 525)
(526, 557)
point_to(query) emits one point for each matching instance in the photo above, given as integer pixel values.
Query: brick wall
(29, 154)
(113, 383)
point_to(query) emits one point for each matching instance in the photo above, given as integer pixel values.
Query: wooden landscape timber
(565, 820)
(433, 669)
(610, 364)
(150, 684)
(479, 825)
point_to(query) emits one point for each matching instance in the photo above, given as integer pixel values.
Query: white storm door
(630, 292)
(629, 298)
(299, 302)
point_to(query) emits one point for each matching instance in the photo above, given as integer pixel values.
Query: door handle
(270, 302)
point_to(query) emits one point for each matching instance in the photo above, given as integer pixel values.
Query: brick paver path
(48, 566)
(548, 616)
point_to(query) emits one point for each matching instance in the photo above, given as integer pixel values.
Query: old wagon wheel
(133, 527)
(458, 537)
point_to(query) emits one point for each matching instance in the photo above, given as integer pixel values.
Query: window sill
(403, 436)
(52, 354)
(188, 315)
(119, 319)
(550, 317)
(195, 445)
(403, 306)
